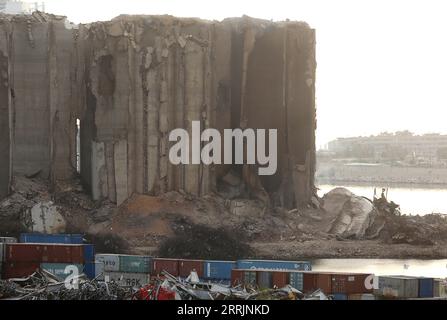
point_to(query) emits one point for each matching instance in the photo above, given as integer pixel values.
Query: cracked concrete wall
(46, 75)
(133, 79)
(5, 116)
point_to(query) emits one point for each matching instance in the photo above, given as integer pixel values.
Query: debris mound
(195, 241)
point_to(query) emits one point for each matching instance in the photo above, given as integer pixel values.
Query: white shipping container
(8, 240)
(99, 270)
(127, 279)
(111, 261)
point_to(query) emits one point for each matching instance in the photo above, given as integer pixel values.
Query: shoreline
(356, 249)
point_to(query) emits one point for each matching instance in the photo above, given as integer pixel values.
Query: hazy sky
(382, 65)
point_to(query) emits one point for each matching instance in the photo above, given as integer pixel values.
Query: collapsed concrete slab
(132, 80)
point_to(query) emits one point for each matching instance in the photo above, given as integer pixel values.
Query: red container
(237, 277)
(280, 279)
(186, 266)
(52, 253)
(317, 280)
(63, 253)
(19, 269)
(168, 265)
(23, 252)
(350, 283)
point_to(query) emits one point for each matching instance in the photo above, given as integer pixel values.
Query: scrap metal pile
(169, 287)
(43, 285)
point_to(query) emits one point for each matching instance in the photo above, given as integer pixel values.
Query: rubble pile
(43, 285)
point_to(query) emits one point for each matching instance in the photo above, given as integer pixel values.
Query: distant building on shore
(399, 146)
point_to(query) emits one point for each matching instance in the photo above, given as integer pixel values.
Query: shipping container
(8, 240)
(185, 267)
(51, 238)
(19, 269)
(62, 253)
(439, 288)
(265, 279)
(250, 277)
(274, 265)
(296, 280)
(361, 296)
(169, 265)
(89, 253)
(340, 296)
(128, 279)
(317, 280)
(425, 287)
(51, 253)
(218, 270)
(2, 252)
(93, 270)
(135, 264)
(398, 287)
(99, 270)
(237, 277)
(18, 252)
(350, 283)
(111, 262)
(280, 279)
(63, 270)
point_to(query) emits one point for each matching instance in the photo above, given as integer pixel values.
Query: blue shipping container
(426, 287)
(274, 265)
(340, 296)
(89, 253)
(51, 238)
(93, 269)
(218, 270)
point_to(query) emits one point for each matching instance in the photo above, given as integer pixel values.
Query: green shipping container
(135, 264)
(60, 269)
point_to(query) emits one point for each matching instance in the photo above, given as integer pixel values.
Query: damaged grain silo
(128, 82)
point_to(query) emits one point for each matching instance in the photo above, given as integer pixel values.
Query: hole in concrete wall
(78, 146)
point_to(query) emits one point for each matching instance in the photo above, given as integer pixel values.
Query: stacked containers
(126, 270)
(218, 270)
(21, 260)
